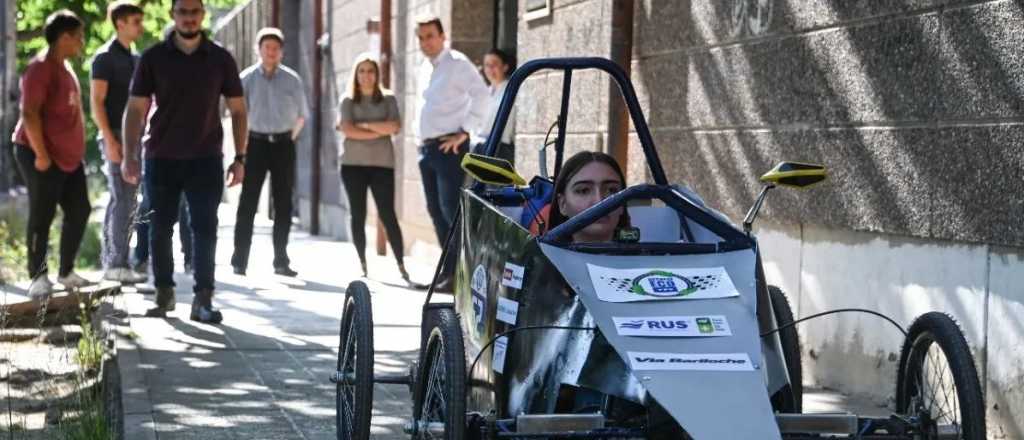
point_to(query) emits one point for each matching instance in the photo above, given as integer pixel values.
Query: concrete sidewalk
(262, 373)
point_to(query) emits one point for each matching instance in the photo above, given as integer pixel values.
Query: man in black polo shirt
(112, 68)
(184, 77)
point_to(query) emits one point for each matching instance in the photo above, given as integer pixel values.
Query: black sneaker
(188, 268)
(238, 270)
(164, 303)
(286, 271)
(203, 310)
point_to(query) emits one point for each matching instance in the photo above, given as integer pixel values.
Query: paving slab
(262, 373)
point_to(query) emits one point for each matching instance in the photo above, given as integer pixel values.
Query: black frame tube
(570, 64)
(563, 118)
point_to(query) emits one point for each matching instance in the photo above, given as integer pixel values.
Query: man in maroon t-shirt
(184, 77)
(49, 148)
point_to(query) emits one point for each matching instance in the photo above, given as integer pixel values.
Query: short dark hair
(430, 20)
(174, 2)
(269, 32)
(122, 9)
(59, 23)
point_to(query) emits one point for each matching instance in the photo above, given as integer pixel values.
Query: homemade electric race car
(670, 331)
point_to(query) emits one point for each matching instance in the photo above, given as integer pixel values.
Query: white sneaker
(124, 275)
(41, 288)
(73, 281)
(140, 277)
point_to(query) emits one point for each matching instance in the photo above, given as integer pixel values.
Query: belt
(437, 140)
(271, 137)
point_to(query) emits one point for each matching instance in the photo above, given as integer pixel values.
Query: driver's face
(593, 183)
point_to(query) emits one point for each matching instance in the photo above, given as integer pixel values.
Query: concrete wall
(574, 28)
(916, 107)
(349, 37)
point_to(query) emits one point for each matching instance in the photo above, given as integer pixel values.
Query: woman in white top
(498, 65)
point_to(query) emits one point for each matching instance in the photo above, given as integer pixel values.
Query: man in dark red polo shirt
(184, 78)
(49, 147)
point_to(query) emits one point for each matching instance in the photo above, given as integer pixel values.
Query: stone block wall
(915, 107)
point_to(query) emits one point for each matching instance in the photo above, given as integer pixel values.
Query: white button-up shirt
(496, 91)
(453, 96)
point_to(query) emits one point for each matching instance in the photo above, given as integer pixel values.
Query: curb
(136, 408)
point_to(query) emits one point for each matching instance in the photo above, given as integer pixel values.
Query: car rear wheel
(790, 398)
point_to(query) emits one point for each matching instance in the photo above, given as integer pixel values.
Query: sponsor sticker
(498, 359)
(673, 326)
(478, 286)
(628, 285)
(639, 361)
(507, 310)
(512, 276)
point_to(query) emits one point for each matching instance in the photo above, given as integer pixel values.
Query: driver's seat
(537, 206)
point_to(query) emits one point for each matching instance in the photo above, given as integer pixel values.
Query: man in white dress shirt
(453, 103)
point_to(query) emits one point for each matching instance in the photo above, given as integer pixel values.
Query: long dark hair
(354, 91)
(569, 169)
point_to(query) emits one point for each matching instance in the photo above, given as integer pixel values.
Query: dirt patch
(50, 381)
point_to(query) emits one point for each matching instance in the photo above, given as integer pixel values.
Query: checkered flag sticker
(624, 285)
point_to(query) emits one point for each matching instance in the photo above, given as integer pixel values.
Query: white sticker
(685, 326)
(498, 360)
(512, 276)
(690, 361)
(628, 285)
(507, 310)
(479, 282)
(478, 286)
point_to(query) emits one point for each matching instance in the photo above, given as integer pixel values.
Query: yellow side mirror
(800, 175)
(491, 170)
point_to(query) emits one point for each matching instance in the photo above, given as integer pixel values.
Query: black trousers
(380, 181)
(277, 158)
(46, 190)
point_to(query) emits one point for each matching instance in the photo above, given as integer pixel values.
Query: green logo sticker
(663, 284)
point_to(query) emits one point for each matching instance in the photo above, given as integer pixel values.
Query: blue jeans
(202, 182)
(442, 176)
(142, 231)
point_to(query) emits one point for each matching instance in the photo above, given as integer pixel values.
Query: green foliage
(32, 15)
(85, 418)
(90, 346)
(12, 246)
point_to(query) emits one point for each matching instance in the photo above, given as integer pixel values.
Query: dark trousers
(505, 151)
(202, 182)
(442, 176)
(46, 190)
(278, 158)
(142, 230)
(381, 181)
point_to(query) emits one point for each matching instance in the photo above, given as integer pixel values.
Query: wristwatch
(240, 158)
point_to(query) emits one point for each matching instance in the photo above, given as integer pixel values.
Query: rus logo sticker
(673, 326)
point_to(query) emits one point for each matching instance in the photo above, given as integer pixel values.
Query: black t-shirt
(186, 91)
(114, 64)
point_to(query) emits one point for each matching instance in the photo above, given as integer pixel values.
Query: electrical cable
(818, 315)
